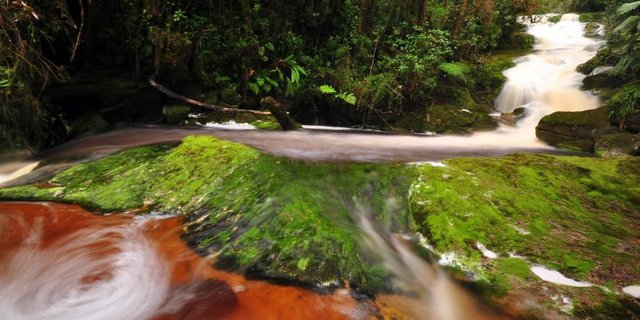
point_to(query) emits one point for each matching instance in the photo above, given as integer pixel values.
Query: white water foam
(633, 291)
(557, 277)
(230, 125)
(486, 252)
(73, 278)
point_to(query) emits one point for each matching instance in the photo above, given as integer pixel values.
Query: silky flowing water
(62, 262)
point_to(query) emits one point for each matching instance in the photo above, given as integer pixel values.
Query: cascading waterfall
(438, 297)
(547, 81)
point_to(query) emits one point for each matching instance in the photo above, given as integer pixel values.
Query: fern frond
(454, 69)
(327, 89)
(627, 8)
(627, 25)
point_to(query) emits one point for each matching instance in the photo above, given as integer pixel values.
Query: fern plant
(456, 70)
(347, 97)
(627, 30)
(626, 8)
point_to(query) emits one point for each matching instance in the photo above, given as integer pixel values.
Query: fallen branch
(200, 104)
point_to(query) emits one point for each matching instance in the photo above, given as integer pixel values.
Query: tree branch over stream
(201, 104)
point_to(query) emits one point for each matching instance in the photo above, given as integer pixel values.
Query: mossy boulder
(89, 123)
(574, 130)
(229, 96)
(618, 145)
(271, 217)
(575, 215)
(600, 80)
(296, 221)
(175, 114)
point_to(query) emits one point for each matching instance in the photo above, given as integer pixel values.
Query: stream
(58, 261)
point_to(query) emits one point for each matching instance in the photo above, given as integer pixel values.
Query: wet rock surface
(574, 130)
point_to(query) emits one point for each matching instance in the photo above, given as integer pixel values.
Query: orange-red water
(214, 294)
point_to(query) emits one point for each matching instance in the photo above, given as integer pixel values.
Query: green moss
(514, 267)
(486, 199)
(266, 125)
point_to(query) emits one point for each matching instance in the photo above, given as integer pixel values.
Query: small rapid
(546, 81)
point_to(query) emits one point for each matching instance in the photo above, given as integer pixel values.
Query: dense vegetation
(334, 61)
(622, 52)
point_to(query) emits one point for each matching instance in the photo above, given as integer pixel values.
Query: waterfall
(547, 80)
(438, 297)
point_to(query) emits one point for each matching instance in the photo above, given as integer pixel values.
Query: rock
(273, 217)
(229, 96)
(280, 219)
(602, 79)
(632, 123)
(618, 145)
(574, 130)
(601, 69)
(512, 118)
(592, 29)
(89, 123)
(175, 114)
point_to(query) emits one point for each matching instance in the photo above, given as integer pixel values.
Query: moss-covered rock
(575, 215)
(601, 80)
(618, 145)
(272, 217)
(295, 221)
(574, 130)
(175, 114)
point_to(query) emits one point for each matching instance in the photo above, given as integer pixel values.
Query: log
(277, 110)
(201, 104)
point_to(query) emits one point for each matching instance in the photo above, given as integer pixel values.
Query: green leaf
(349, 98)
(627, 7)
(260, 81)
(272, 82)
(327, 89)
(5, 83)
(254, 87)
(454, 69)
(270, 46)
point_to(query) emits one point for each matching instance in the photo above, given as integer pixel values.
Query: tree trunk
(460, 20)
(362, 17)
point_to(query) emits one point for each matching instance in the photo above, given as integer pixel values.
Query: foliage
(455, 69)
(625, 102)
(347, 97)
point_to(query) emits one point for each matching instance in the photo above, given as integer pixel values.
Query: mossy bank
(296, 221)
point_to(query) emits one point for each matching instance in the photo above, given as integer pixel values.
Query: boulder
(175, 114)
(618, 145)
(230, 97)
(632, 123)
(512, 118)
(574, 130)
(603, 78)
(89, 123)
